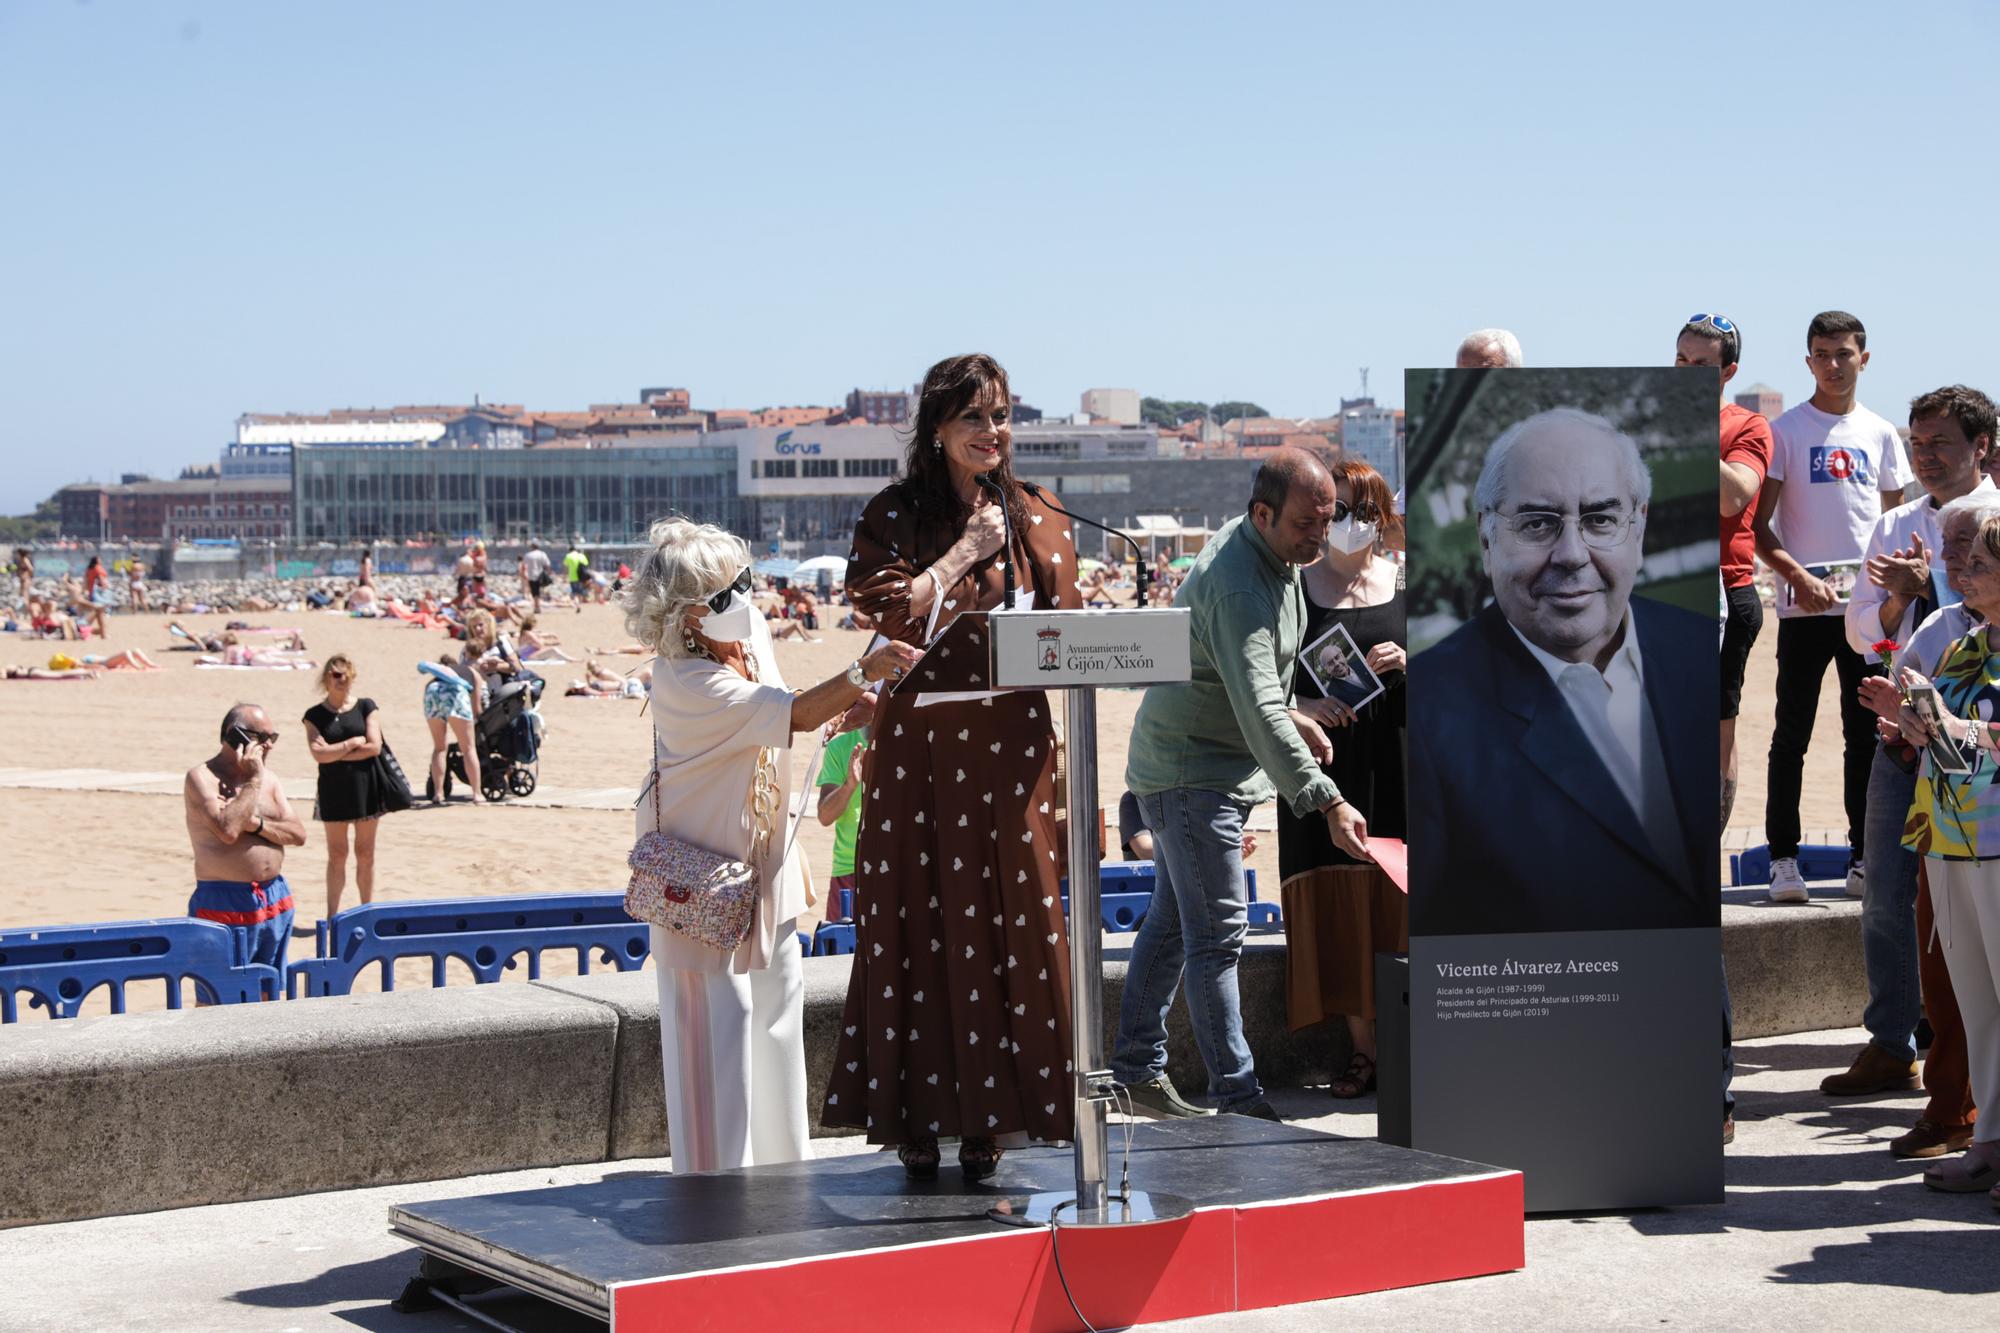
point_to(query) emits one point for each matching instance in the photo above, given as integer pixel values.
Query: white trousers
(1965, 898)
(733, 1048)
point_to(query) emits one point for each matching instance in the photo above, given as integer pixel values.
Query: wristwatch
(856, 676)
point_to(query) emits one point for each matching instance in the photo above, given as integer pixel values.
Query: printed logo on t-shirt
(1833, 463)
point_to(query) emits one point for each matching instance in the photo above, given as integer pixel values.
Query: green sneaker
(1157, 1100)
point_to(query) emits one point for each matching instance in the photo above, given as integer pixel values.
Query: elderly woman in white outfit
(731, 1025)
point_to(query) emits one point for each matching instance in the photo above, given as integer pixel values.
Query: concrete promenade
(1821, 1229)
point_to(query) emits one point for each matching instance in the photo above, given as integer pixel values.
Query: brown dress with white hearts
(958, 1013)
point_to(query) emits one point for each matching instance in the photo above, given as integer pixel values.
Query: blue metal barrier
(1125, 889)
(484, 933)
(58, 967)
(1817, 862)
(833, 937)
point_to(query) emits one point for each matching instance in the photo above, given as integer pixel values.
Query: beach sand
(84, 856)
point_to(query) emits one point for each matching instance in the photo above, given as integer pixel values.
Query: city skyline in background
(236, 208)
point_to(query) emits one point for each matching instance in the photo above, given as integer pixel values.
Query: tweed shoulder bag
(698, 894)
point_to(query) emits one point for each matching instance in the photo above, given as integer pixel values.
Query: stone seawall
(150, 1111)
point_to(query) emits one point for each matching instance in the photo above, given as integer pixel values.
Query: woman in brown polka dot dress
(958, 1014)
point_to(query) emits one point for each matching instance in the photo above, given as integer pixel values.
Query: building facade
(1119, 406)
(252, 508)
(346, 494)
(1763, 399)
(796, 492)
(881, 407)
(1375, 436)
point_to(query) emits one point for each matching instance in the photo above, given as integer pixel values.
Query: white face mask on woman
(1350, 534)
(732, 623)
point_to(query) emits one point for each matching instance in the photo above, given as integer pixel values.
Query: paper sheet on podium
(955, 666)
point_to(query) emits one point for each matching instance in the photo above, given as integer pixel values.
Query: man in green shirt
(1202, 756)
(840, 806)
(575, 562)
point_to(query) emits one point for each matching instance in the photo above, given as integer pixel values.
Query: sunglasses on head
(1716, 322)
(720, 602)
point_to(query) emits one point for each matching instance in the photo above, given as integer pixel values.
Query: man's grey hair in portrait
(1491, 491)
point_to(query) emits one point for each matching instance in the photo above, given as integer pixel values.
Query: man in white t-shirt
(1835, 467)
(537, 573)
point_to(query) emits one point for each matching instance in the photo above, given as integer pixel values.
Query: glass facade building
(346, 494)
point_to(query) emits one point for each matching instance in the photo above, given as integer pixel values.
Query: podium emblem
(1049, 645)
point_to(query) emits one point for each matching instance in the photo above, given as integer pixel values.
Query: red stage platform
(1283, 1216)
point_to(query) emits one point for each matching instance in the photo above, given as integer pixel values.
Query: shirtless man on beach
(240, 824)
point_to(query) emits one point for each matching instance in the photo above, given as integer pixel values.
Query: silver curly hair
(688, 563)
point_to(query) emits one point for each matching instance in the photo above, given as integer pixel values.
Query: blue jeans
(1889, 913)
(1196, 922)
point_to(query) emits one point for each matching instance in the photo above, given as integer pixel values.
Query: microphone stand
(986, 481)
(1138, 556)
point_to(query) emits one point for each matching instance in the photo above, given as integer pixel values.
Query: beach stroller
(508, 734)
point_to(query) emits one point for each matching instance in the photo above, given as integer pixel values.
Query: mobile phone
(240, 738)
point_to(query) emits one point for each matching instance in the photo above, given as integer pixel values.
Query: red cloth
(1746, 439)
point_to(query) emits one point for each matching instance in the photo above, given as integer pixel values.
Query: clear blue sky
(212, 208)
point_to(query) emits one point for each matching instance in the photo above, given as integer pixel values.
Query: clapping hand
(1905, 572)
(1880, 696)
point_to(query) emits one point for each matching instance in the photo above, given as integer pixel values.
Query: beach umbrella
(776, 567)
(1181, 562)
(822, 564)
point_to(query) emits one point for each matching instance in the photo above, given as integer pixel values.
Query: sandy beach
(76, 856)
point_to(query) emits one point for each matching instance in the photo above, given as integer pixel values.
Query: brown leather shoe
(1927, 1138)
(1873, 1071)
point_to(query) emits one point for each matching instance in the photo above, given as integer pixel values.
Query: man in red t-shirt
(1712, 340)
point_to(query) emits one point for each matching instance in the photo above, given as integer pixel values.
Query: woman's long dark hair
(949, 386)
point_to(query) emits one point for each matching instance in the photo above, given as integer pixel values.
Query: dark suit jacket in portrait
(1517, 825)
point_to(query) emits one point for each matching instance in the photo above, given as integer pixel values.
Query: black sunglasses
(720, 602)
(1365, 511)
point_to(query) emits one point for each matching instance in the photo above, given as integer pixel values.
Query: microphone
(1138, 556)
(985, 479)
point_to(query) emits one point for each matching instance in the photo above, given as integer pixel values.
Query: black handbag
(390, 782)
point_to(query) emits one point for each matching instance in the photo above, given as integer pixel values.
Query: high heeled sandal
(919, 1158)
(1358, 1081)
(979, 1159)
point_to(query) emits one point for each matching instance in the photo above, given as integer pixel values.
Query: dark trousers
(1806, 644)
(1947, 1078)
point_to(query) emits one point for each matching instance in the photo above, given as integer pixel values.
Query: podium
(1079, 652)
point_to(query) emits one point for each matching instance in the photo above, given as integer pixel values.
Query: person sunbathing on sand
(46, 673)
(603, 682)
(129, 659)
(539, 645)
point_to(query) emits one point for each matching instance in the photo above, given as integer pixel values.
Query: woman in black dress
(1339, 912)
(344, 735)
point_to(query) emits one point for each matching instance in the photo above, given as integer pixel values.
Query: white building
(1118, 406)
(1368, 432)
(410, 433)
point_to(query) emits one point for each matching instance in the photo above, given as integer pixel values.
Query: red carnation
(1884, 646)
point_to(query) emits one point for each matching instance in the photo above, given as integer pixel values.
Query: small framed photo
(1945, 757)
(1340, 670)
(1840, 576)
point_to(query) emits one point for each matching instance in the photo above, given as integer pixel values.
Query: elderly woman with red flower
(1955, 826)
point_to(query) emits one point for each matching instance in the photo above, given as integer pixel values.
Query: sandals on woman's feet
(919, 1158)
(1358, 1081)
(979, 1159)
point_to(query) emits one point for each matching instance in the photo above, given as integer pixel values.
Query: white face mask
(1350, 534)
(731, 624)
